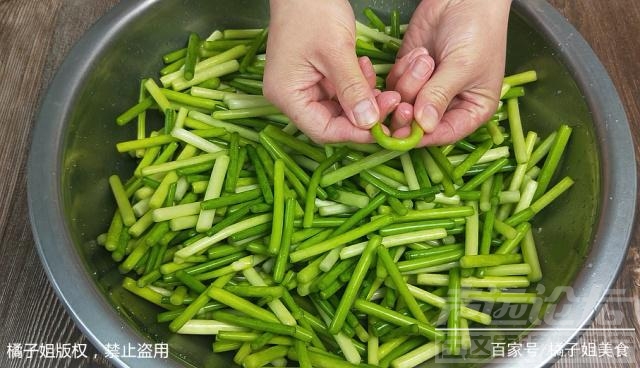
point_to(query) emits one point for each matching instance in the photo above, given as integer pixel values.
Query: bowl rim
(84, 301)
(615, 220)
(64, 267)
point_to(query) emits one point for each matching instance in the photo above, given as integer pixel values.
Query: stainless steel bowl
(584, 236)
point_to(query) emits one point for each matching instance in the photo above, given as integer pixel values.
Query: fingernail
(420, 68)
(365, 113)
(427, 118)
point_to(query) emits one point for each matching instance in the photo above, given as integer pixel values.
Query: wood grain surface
(34, 38)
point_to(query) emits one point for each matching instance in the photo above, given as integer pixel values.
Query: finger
(415, 77)
(326, 91)
(402, 116)
(402, 64)
(432, 101)
(320, 124)
(388, 101)
(403, 132)
(460, 121)
(342, 69)
(367, 70)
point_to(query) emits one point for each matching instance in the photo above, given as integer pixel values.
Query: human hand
(313, 75)
(467, 39)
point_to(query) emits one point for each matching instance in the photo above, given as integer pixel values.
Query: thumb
(435, 96)
(352, 89)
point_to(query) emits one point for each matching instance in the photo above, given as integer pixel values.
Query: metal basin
(582, 238)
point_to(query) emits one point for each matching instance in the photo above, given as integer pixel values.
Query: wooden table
(34, 38)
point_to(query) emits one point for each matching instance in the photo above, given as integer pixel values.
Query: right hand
(467, 40)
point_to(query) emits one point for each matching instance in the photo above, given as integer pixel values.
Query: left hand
(313, 75)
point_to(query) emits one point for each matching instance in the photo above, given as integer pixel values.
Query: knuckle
(351, 89)
(335, 49)
(448, 133)
(452, 134)
(466, 64)
(439, 95)
(485, 111)
(484, 107)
